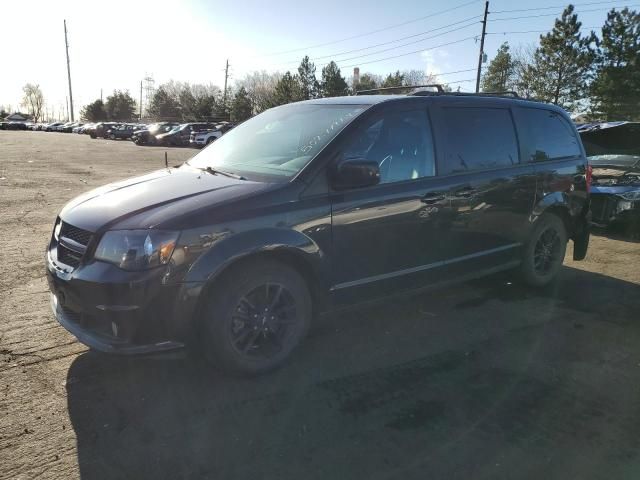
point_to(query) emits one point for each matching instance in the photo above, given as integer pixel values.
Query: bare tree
(33, 100)
(524, 76)
(260, 87)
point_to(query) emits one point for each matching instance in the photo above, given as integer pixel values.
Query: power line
(399, 46)
(556, 6)
(530, 31)
(371, 32)
(552, 14)
(409, 53)
(402, 38)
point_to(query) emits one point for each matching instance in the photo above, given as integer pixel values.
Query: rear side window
(549, 135)
(478, 139)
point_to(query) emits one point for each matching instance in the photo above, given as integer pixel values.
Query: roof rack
(437, 86)
(466, 94)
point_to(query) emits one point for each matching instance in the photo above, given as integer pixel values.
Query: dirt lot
(484, 380)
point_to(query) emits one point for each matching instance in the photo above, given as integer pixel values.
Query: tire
(238, 334)
(210, 140)
(544, 253)
(92, 135)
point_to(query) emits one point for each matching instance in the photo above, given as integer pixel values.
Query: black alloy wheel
(263, 320)
(254, 317)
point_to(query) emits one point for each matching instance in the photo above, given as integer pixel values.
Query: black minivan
(315, 205)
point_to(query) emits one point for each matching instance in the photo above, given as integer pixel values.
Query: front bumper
(104, 342)
(114, 311)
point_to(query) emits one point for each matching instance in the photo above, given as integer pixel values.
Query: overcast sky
(114, 44)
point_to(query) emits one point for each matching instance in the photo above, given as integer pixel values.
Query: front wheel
(544, 252)
(255, 317)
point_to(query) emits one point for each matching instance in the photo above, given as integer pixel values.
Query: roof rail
(438, 86)
(467, 94)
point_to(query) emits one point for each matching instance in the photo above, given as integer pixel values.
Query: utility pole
(101, 95)
(66, 43)
(226, 77)
(484, 32)
(140, 100)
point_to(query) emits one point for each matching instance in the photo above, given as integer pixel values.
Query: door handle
(432, 197)
(465, 192)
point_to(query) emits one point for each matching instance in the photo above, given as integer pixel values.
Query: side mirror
(355, 173)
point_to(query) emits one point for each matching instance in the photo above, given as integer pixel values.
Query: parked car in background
(200, 139)
(77, 128)
(315, 205)
(122, 132)
(179, 136)
(49, 127)
(68, 128)
(147, 136)
(613, 151)
(100, 129)
(16, 126)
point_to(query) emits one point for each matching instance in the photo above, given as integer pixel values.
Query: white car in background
(204, 138)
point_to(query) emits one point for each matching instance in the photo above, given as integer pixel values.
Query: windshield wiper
(215, 171)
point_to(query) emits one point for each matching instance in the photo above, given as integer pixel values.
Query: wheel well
(283, 256)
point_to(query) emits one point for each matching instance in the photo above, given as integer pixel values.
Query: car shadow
(446, 384)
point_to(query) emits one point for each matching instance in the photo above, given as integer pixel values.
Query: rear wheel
(544, 253)
(255, 317)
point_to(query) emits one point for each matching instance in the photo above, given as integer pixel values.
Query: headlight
(137, 249)
(633, 195)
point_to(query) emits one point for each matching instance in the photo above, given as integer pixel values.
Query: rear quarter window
(549, 136)
(478, 139)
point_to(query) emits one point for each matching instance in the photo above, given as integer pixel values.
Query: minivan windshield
(279, 142)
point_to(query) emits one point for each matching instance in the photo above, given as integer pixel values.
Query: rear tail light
(587, 177)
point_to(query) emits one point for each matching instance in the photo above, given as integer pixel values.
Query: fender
(234, 247)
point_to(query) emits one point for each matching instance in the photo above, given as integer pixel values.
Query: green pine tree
(333, 83)
(562, 63)
(241, 108)
(616, 88)
(288, 89)
(309, 86)
(499, 75)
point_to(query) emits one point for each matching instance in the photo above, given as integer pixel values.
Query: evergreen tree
(288, 89)
(120, 106)
(241, 108)
(94, 112)
(393, 80)
(616, 87)
(333, 83)
(562, 63)
(309, 85)
(367, 82)
(499, 75)
(163, 106)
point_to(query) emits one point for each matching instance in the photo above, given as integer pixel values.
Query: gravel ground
(483, 380)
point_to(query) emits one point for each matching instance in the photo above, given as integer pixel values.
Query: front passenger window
(400, 142)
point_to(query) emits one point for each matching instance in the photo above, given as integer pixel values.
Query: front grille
(68, 256)
(72, 244)
(76, 234)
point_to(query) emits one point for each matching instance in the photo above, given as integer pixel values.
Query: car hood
(150, 200)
